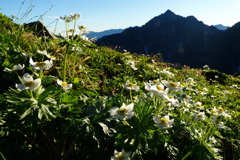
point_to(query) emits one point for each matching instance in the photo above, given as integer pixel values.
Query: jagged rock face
(38, 29)
(180, 40)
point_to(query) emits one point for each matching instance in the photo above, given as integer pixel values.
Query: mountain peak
(169, 12)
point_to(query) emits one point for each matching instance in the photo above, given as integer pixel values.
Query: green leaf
(188, 154)
(76, 80)
(89, 93)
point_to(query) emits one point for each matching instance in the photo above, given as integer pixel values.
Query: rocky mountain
(221, 27)
(99, 35)
(183, 40)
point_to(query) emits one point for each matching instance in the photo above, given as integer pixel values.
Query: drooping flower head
(28, 83)
(14, 68)
(75, 16)
(124, 112)
(163, 122)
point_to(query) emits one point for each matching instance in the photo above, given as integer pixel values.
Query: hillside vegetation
(67, 98)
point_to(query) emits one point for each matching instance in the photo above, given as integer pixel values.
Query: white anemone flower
(28, 54)
(163, 122)
(184, 97)
(199, 105)
(44, 52)
(175, 86)
(124, 112)
(174, 102)
(51, 57)
(218, 123)
(199, 116)
(121, 155)
(158, 90)
(46, 65)
(28, 83)
(131, 86)
(166, 72)
(64, 85)
(75, 16)
(132, 64)
(14, 68)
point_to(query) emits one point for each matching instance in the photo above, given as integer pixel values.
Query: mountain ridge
(183, 40)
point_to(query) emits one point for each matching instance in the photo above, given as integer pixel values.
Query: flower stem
(131, 95)
(65, 66)
(74, 27)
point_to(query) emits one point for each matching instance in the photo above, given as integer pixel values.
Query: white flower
(158, 90)
(75, 16)
(184, 96)
(120, 155)
(14, 68)
(191, 82)
(173, 102)
(218, 123)
(206, 67)
(67, 19)
(175, 86)
(124, 112)
(51, 57)
(132, 64)
(131, 86)
(199, 105)
(163, 122)
(64, 85)
(28, 54)
(46, 65)
(214, 111)
(29, 83)
(151, 83)
(44, 52)
(199, 116)
(168, 73)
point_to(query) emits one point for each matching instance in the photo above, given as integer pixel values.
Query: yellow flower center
(220, 109)
(130, 85)
(163, 120)
(172, 84)
(213, 111)
(120, 156)
(155, 81)
(29, 83)
(52, 57)
(64, 84)
(184, 96)
(217, 121)
(40, 64)
(159, 88)
(198, 105)
(122, 111)
(199, 116)
(171, 97)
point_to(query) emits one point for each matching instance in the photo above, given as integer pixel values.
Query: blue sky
(99, 15)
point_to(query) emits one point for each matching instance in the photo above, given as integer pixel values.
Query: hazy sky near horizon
(99, 15)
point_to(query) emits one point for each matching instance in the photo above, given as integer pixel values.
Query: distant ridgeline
(182, 40)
